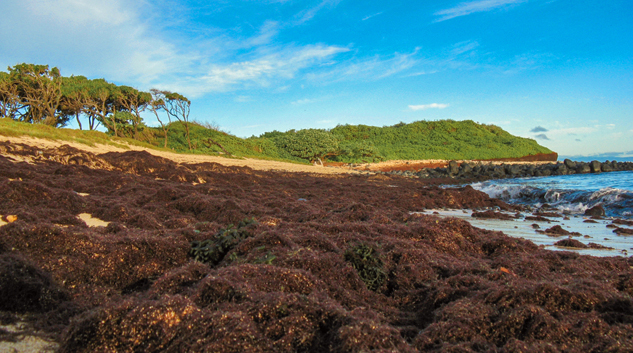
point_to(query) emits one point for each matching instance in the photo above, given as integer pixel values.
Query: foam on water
(571, 194)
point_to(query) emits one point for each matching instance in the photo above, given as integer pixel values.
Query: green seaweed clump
(368, 264)
(212, 251)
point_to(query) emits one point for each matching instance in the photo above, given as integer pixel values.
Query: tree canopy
(39, 94)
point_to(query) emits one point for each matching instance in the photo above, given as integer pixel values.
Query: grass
(9, 127)
(445, 139)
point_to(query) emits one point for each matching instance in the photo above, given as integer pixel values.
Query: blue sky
(558, 71)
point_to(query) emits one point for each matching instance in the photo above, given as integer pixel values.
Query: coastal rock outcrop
(487, 170)
(596, 211)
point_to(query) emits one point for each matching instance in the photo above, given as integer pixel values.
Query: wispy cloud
(428, 106)
(90, 37)
(470, 7)
(368, 69)
(126, 42)
(303, 101)
(262, 71)
(306, 15)
(242, 99)
(371, 16)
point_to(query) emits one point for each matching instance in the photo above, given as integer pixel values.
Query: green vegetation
(212, 251)
(444, 139)
(10, 127)
(310, 144)
(37, 101)
(366, 261)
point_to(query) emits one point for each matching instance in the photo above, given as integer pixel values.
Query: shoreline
(200, 256)
(466, 170)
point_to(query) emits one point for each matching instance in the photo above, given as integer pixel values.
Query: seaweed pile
(207, 258)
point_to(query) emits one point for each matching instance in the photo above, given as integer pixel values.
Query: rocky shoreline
(487, 170)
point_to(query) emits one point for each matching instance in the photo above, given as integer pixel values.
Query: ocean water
(570, 194)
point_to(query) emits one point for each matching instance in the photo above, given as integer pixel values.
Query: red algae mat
(334, 263)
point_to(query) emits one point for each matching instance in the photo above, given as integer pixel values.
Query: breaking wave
(570, 194)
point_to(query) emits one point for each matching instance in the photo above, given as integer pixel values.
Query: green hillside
(38, 101)
(444, 139)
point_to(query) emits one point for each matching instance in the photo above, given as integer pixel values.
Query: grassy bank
(444, 139)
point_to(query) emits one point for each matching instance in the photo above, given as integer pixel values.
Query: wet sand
(597, 232)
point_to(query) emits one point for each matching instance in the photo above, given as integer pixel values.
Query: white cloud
(87, 37)
(242, 99)
(282, 64)
(303, 101)
(124, 41)
(470, 7)
(306, 15)
(428, 106)
(369, 69)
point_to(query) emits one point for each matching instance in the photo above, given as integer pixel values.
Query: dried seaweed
(335, 264)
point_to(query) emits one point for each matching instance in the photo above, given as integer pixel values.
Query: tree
(311, 144)
(10, 103)
(157, 104)
(178, 107)
(75, 97)
(101, 103)
(40, 89)
(133, 101)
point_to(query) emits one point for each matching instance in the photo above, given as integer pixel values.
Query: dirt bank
(333, 263)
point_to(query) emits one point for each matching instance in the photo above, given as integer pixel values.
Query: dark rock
(571, 243)
(513, 169)
(623, 231)
(466, 168)
(537, 219)
(596, 167)
(598, 246)
(622, 221)
(542, 172)
(606, 167)
(453, 168)
(498, 171)
(557, 230)
(548, 214)
(570, 164)
(493, 215)
(596, 211)
(583, 168)
(561, 169)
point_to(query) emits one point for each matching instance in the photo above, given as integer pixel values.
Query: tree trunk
(188, 140)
